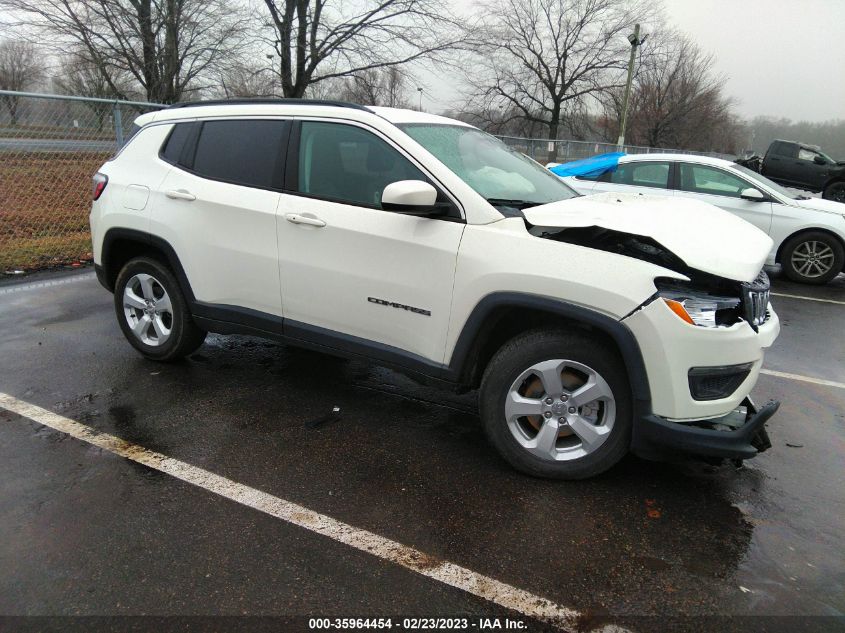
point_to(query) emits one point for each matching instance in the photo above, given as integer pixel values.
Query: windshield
(769, 183)
(502, 175)
(829, 160)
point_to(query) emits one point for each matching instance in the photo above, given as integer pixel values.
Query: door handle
(180, 194)
(304, 219)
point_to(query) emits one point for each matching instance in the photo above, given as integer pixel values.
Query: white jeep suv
(590, 326)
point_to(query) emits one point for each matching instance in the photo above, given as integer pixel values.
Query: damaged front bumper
(740, 434)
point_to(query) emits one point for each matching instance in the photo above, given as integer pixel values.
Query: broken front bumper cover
(739, 435)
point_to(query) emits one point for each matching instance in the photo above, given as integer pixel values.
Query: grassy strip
(44, 206)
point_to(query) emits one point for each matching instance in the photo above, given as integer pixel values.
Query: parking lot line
(45, 284)
(780, 294)
(490, 589)
(815, 381)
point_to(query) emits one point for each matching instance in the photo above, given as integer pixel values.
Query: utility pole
(420, 90)
(635, 41)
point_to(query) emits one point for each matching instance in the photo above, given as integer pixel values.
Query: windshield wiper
(516, 204)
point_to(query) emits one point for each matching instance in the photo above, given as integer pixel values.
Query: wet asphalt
(651, 546)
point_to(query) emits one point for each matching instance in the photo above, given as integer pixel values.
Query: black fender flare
(116, 234)
(618, 332)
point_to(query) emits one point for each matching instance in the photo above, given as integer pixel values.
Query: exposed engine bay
(712, 300)
(635, 246)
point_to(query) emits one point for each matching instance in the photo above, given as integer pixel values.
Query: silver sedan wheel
(560, 410)
(148, 310)
(812, 259)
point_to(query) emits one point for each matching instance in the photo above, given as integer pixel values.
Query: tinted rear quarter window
(249, 152)
(175, 142)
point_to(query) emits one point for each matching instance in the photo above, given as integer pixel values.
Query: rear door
(353, 274)
(219, 211)
(647, 177)
(717, 186)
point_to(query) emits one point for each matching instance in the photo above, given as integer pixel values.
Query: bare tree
(244, 78)
(20, 68)
(165, 45)
(677, 98)
(78, 76)
(319, 40)
(377, 86)
(543, 59)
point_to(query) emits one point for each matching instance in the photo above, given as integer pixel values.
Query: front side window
(243, 152)
(644, 174)
(344, 163)
(501, 174)
(710, 180)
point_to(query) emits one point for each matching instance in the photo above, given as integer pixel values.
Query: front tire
(814, 257)
(557, 405)
(152, 311)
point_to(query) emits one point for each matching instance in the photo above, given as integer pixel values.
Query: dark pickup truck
(801, 166)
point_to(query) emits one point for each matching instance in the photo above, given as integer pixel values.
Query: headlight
(699, 307)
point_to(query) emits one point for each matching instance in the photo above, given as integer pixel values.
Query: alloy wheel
(812, 259)
(148, 309)
(560, 410)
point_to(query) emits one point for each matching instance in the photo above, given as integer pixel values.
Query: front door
(717, 186)
(349, 269)
(809, 173)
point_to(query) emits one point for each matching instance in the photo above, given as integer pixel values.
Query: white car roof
(293, 108)
(688, 158)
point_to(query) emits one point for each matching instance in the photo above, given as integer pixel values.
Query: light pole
(635, 41)
(420, 90)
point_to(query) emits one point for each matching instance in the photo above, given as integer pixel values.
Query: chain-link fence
(564, 151)
(50, 147)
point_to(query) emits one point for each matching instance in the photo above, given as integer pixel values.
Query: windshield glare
(769, 183)
(500, 174)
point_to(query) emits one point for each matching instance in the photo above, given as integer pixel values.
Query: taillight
(100, 182)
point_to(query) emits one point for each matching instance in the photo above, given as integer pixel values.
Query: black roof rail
(269, 101)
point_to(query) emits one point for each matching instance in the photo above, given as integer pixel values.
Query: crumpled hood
(703, 236)
(818, 204)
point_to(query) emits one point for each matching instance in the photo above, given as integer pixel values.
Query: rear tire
(152, 311)
(566, 433)
(814, 257)
(835, 191)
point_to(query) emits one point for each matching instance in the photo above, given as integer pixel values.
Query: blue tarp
(594, 166)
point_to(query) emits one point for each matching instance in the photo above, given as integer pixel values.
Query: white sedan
(809, 233)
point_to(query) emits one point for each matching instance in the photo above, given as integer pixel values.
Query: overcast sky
(783, 58)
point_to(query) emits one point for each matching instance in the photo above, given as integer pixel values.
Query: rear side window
(645, 174)
(175, 142)
(249, 152)
(780, 148)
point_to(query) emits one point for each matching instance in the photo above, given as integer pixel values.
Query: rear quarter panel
(133, 187)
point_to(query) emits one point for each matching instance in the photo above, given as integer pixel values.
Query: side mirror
(752, 194)
(818, 160)
(411, 197)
